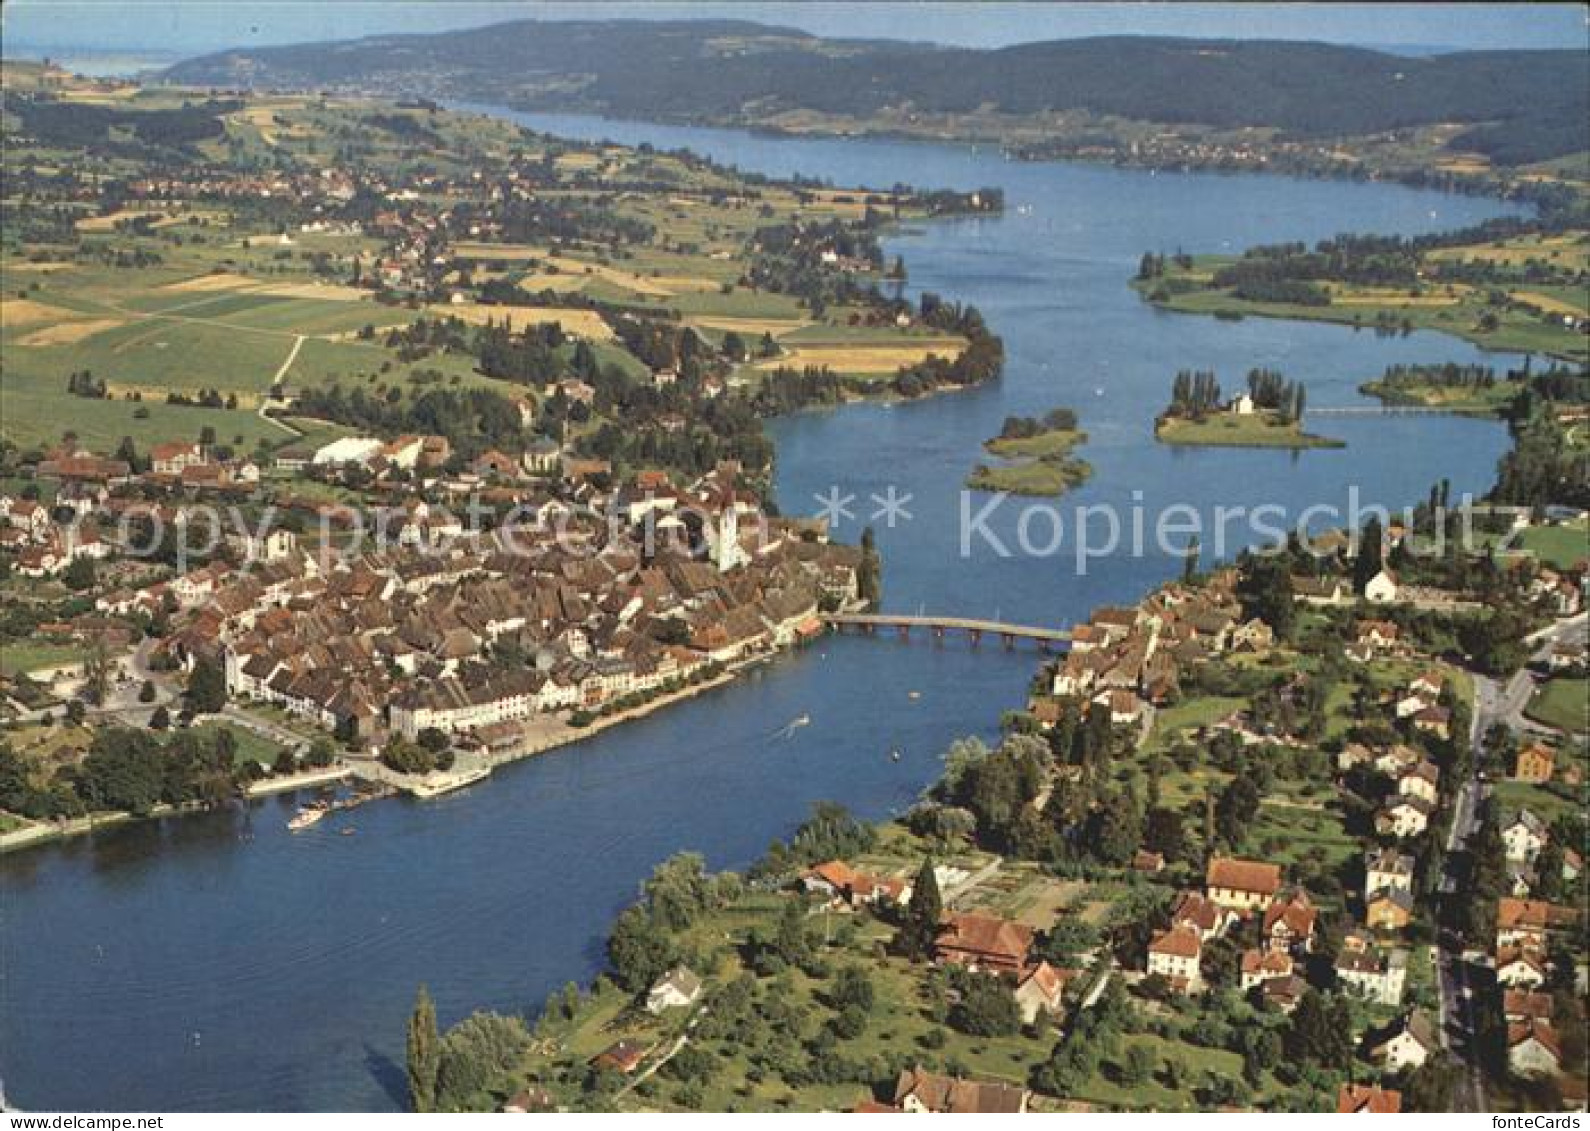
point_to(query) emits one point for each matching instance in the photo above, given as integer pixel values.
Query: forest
(1521, 106)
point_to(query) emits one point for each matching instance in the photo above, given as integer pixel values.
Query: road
(1456, 999)
(1494, 702)
(122, 703)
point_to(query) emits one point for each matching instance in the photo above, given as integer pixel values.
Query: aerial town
(494, 616)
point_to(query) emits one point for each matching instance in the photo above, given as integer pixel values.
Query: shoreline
(1497, 188)
(36, 834)
(1235, 310)
(478, 768)
(471, 769)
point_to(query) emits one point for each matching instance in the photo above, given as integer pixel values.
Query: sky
(167, 29)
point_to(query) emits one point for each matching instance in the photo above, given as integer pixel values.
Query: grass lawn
(250, 745)
(1558, 546)
(1045, 445)
(1477, 401)
(1544, 803)
(1031, 477)
(38, 409)
(31, 656)
(1040, 465)
(1300, 834)
(1188, 715)
(1562, 703)
(1228, 430)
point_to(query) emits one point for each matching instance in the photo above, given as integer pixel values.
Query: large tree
(1371, 552)
(206, 687)
(1236, 808)
(921, 927)
(423, 1053)
(639, 949)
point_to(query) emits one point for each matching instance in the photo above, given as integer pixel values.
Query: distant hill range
(1520, 106)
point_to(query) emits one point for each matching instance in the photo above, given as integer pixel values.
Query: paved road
(1456, 1000)
(122, 704)
(1494, 702)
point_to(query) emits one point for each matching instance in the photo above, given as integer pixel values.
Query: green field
(1562, 703)
(1228, 430)
(1040, 464)
(31, 656)
(1560, 547)
(1470, 401)
(1462, 311)
(250, 745)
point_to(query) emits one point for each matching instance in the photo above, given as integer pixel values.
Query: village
(579, 600)
(1236, 853)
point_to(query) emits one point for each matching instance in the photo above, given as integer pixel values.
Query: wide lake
(220, 962)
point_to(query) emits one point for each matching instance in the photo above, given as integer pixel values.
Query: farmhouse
(984, 942)
(1242, 885)
(920, 1091)
(1175, 955)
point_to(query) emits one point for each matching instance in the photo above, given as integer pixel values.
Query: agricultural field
(1529, 320)
(155, 297)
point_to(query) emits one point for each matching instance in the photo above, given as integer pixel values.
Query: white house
(1519, 970)
(1524, 836)
(1388, 870)
(1377, 977)
(674, 990)
(1175, 956)
(1042, 990)
(1533, 1049)
(1410, 1043)
(1381, 589)
(1405, 817)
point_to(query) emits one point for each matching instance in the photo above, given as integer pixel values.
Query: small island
(1268, 415)
(1037, 455)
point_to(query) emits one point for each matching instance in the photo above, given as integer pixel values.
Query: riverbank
(37, 833)
(542, 736)
(563, 842)
(1413, 158)
(1490, 402)
(1526, 322)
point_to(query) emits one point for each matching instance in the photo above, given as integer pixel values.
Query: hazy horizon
(168, 30)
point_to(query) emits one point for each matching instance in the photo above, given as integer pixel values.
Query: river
(218, 962)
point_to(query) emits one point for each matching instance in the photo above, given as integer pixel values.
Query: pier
(1047, 639)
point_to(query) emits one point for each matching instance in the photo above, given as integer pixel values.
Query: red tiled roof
(1243, 875)
(1369, 1099)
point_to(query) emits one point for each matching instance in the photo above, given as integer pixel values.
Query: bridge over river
(1383, 410)
(1048, 639)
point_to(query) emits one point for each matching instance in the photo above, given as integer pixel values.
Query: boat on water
(306, 816)
(894, 755)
